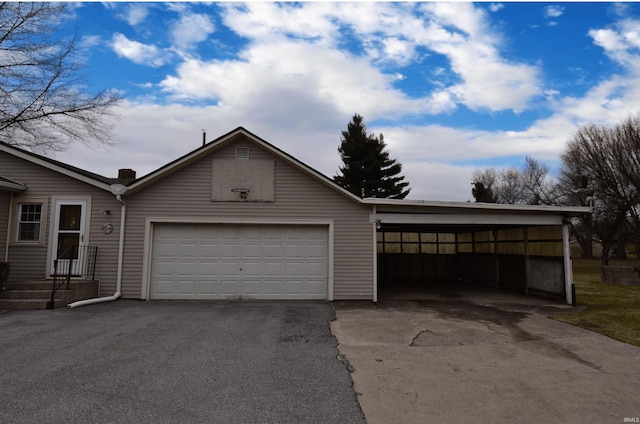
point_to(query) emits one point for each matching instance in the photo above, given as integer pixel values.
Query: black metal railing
(75, 261)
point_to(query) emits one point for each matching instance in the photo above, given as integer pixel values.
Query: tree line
(600, 167)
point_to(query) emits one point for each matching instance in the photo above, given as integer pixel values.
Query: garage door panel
(273, 251)
(207, 268)
(198, 261)
(272, 269)
(165, 268)
(252, 269)
(211, 250)
(295, 250)
(316, 251)
(229, 268)
(164, 286)
(208, 287)
(229, 287)
(186, 287)
(253, 250)
(316, 269)
(230, 250)
(164, 250)
(294, 268)
(252, 287)
(189, 250)
(293, 287)
(316, 287)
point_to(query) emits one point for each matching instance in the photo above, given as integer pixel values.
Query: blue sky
(453, 86)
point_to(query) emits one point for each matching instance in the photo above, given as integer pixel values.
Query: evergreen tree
(367, 170)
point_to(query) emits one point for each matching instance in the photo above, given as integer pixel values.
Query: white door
(68, 237)
(208, 261)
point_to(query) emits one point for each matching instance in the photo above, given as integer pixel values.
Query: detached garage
(233, 261)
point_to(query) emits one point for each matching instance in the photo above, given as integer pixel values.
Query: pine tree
(367, 170)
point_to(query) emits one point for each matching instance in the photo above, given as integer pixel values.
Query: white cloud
(265, 20)
(495, 7)
(621, 42)
(134, 14)
(553, 11)
(142, 54)
(489, 81)
(389, 33)
(89, 41)
(347, 83)
(191, 28)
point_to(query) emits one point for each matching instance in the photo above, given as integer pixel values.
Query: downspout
(117, 190)
(6, 245)
(376, 224)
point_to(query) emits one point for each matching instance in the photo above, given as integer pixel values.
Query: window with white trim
(29, 222)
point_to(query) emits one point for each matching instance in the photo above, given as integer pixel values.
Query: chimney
(125, 176)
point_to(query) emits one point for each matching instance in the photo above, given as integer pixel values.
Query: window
(29, 220)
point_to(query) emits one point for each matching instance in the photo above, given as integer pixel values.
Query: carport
(422, 245)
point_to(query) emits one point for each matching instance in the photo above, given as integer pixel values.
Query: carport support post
(497, 258)
(527, 266)
(568, 272)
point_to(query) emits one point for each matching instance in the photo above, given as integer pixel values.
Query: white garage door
(221, 261)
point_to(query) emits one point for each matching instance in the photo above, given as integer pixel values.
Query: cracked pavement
(483, 358)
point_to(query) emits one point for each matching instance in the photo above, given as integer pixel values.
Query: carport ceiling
(444, 228)
(461, 222)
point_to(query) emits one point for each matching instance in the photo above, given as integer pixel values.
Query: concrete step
(37, 294)
(32, 294)
(31, 285)
(29, 304)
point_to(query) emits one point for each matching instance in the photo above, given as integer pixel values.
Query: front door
(68, 237)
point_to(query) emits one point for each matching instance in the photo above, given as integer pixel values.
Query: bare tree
(531, 185)
(44, 102)
(510, 188)
(606, 162)
(538, 188)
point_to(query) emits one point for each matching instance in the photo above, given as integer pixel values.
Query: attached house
(240, 219)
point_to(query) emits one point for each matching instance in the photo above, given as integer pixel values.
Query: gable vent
(242, 153)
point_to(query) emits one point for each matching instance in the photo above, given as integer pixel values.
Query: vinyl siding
(5, 198)
(187, 194)
(29, 262)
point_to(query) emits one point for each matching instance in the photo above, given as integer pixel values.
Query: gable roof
(60, 167)
(223, 141)
(163, 172)
(7, 184)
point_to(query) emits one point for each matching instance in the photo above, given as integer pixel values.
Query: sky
(454, 87)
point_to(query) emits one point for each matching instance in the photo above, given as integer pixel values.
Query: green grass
(609, 309)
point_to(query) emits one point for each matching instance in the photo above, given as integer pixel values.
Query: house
(239, 218)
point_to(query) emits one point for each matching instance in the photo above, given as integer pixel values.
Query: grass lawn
(609, 309)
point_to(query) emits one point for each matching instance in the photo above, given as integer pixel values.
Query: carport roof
(459, 217)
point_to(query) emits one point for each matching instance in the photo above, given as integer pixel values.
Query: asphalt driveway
(484, 357)
(174, 362)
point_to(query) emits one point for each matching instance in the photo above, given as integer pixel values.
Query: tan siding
(5, 198)
(187, 193)
(29, 262)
